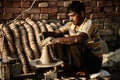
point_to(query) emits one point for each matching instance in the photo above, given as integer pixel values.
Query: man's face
(75, 17)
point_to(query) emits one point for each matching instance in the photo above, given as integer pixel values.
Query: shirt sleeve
(65, 28)
(89, 28)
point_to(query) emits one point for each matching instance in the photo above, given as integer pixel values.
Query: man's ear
(82, 13)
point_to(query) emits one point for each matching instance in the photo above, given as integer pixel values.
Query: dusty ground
(115, 75)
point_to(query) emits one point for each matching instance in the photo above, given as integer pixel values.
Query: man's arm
(82, 37)
(56, 33)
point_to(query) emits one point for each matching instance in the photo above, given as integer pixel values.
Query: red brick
(20, 10)
(109, 15)
(100, 3)
(52, 16)
(93, 3)
(35, 16)
(115, 26)
(108, 20)
(43, 4)
(66, 3)
(117, 8)
(1, 4)
(26, 15)
(101, 15)
(88, 9)
(62, 9)
(87, 3)
(7, 16)
(87, 15)
(36, 4)
(84, 0)
(34, 10)
(26, 4)
(15, 0)
(16, 4)
(94, 16)
(43, 16)
(108, 9)
(52, 3)
(61, 15)
(116, 14)
(12, 10)
(49, 0)
(1, 16)
(16, 15)
(21, 0)
(49, 10)
(100, 26)
(1, 10)
(109, 3)
(7, 3)
(27, 0)
(22, 4)
(96, 9)
(116, 2)
(60, 3)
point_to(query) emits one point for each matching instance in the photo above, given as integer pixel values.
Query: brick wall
(106, 14)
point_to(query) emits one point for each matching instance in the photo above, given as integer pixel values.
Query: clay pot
(46, 58)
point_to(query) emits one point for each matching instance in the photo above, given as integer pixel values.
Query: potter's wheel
(38, 64)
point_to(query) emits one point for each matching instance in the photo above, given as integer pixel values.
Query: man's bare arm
(82, 37)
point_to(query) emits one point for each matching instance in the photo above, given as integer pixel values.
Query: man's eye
(73, 15)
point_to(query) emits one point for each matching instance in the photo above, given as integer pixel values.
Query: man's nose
(70, 18)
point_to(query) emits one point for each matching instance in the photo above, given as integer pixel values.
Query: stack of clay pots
(21, 39)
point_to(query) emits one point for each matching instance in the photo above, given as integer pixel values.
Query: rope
(2, 41)
(23, 12)
(2, 25)
(1, 51)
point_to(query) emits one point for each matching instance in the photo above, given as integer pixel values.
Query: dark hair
(76, 6)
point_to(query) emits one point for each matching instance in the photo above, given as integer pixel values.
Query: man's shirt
(90, 29)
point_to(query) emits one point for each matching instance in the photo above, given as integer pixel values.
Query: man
(81, 48)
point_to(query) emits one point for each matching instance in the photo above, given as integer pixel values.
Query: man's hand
(48, 41)
(43, 35)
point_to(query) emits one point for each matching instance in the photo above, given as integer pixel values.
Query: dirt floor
(114, 72)
(115, 75)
